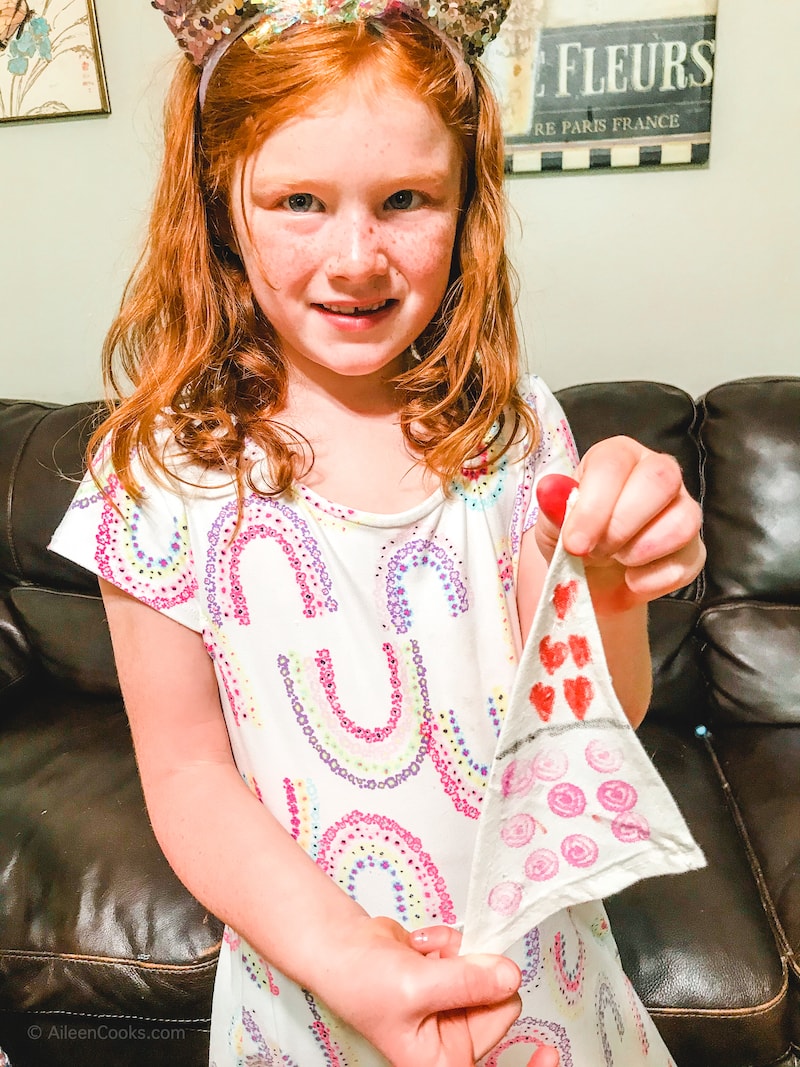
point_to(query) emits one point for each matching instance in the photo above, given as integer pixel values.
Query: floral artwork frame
(51, 64)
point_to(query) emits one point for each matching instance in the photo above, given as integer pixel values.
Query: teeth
(339, 309)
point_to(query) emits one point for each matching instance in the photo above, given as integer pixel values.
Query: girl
(314, 519)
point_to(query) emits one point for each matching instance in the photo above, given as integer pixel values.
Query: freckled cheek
(279, 260)
(425, 254)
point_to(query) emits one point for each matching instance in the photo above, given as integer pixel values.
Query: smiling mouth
(362, 309)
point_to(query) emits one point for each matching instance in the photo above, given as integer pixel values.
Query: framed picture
(595, 84)
(50, 61)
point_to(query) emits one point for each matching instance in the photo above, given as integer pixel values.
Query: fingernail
(509, 975)
(552, 493)
(577, 544)
(505, 970)
(419, 937)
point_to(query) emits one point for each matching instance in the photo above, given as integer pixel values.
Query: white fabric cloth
(364, 665)
(574, 810)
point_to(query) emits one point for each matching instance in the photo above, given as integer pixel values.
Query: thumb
(545, 1056)
(470, 981)
(552, 493)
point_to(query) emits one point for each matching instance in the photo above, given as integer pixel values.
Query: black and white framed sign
(593, 84)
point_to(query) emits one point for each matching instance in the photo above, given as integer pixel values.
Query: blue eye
(402, 200)
(302, 202)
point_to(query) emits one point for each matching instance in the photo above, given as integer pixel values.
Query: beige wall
(691, 277)
(75, 195)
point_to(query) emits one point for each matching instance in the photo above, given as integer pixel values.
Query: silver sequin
(199, 25)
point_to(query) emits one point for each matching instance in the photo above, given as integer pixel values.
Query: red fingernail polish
(552, 493)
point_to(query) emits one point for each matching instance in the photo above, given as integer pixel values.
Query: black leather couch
(106, 960)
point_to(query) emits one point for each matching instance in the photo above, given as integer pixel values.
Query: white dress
(364, 662)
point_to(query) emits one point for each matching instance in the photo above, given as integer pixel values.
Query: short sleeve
(556, 452)
(142, 547)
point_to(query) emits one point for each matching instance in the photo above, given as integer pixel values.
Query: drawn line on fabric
(603, 724)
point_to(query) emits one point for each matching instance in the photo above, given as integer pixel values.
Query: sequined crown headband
(205, 28)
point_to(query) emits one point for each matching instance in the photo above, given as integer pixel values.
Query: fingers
(488, 1026)
(469, 982)
(672, 529)
(436, 940)
(473, 999)
(634, 523)
(624, 487)
(634, 509)
(545, 1056)
(652, 580)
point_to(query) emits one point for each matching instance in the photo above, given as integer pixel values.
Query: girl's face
(346, 227)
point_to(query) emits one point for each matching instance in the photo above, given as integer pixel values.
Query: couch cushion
(751, 436)
(760, 766)
(698, 947)
(752, 660)
(69, 633)
(92, 918)
(69, 1040)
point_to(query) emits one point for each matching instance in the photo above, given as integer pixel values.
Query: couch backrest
(750, 624)
(41, 463)
(739, 624)
(55, 604)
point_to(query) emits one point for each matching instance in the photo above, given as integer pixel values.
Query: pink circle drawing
(517, 777)
(566, 800)
(541, 865)
(505, 898)
(617, 796)
(579, 850)
(517, 830)
(630, 827)
(604, 758)
(550, 764)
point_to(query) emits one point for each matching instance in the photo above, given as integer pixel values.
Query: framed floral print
(50, 60)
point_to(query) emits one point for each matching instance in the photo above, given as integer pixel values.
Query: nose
(357, 250)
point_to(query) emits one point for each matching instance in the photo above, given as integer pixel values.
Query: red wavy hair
(191, 348)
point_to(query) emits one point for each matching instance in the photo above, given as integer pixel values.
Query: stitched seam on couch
(755, 866)
(35, 1012)
(696, 432)
(721, 607)
(102, 961)
(727, 1013)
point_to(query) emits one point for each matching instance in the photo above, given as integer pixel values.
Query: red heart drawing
(579, 693)
(552, 654)
(564, 596)
(542, 697)
(579, 647)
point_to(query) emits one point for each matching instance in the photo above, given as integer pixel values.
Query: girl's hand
(444, 941)
(634, 523)
(416, 1001)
